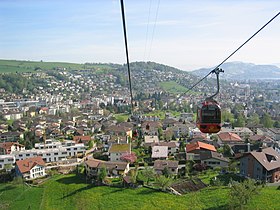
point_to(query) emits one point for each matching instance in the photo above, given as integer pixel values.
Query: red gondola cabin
(209, 117)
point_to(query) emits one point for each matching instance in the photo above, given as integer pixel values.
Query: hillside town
(73, 120)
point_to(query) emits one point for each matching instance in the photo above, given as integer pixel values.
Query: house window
(27, 154)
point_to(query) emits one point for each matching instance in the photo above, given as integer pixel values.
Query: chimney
(248, 147)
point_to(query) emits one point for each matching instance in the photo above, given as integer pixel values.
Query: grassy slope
(69, 192)
(173, 87)
(29, 66)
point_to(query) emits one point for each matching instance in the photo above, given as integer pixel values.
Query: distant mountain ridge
(243, 71)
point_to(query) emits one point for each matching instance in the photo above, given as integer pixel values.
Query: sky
(181, 33)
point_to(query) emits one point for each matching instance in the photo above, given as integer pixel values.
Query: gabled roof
(161, 164)
(199, 145)
(95, 163)
(170, 144)
(81, 138)
(260, 138)
(213, 155)
(268, 158)
(8, 145)
(117, 128)
(228, 136)
(27, 164)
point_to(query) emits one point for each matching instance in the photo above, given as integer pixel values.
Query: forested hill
(146, 76)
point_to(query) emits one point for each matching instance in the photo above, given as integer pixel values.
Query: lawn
(71, 192)
(161, 113)
(121, 117)
(175, 88)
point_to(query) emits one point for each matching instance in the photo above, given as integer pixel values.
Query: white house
(113, 169)
(159, 152)
(6, 160)
(116, 151)
(30, 168)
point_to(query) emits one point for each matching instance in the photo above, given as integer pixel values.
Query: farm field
(71, 192)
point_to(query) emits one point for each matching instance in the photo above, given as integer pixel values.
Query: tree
(189, 167)
(227, 150)
(148, 174)
(166, 172)
(102, 174)
(160, 134)
(90, 144)
(267, 121)
(240, 121)
(227, 117)
(254, 119)
(241, 193)
(163, 182)
(129, 157)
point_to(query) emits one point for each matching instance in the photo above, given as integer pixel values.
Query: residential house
(213, 159)
(116, 151)
(254, 127)
(275, 133)
(171, 165)
(173, 147)
(43, 110)
(113, 168)
(229, 138)
(242, 132)
(239, 149)
(159, 152)
(266, 141)
(263, 164)
(13, 115)
(82, 139)
(168, 122)
(11, 136)
(194, 150)
(179, 130)
(119, 130)
(6, 160)
(117, 140)
(30, 168)
(187, 117)
(150, 128)
(148, 140)
(8, 147)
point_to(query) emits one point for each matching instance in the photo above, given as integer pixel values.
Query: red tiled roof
(7, 145)
(200, 145)
(228, 136)
(27, 164)
(81, 138)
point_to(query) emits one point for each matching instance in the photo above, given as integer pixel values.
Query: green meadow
(13, 66)
(71, 192)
